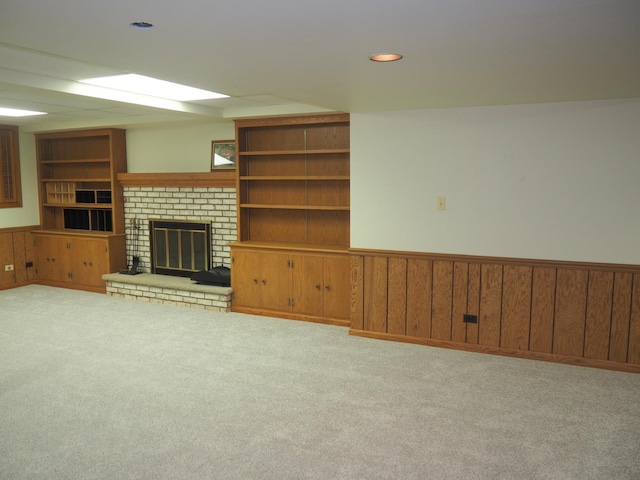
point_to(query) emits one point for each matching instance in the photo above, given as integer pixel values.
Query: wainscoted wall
(16, 248)
(578, 313)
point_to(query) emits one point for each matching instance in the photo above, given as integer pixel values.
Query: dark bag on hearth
(219, 276)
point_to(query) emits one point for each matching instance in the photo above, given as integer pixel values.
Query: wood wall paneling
(6, 258)
(473, 302)
(620, 317)
(490, 305)
(543, 299)
(633, 356)
(419, 281)
(357, 292)
(516, 307)
(460, 299)
(442, 300)
(598, 324)
(375, 294)
(397, 297)
(570, 312)
(20, 256)
(16, 248)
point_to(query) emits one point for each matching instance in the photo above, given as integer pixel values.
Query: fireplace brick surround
(215, 204)
(202, 203)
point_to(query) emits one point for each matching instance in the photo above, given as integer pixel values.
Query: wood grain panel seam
(466, 304)
(501, 304)
(635, 288)
(453, 284)
(530, 308)
(630, 305)
(586, 315)
(431, 301)
(406, 297)
(386, 306)
(633, 280)
(555, 307)
(613, 299)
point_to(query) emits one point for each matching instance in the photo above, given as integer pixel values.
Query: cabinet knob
(327, 287)
(317, 287)
(264, 282)
(255, 280)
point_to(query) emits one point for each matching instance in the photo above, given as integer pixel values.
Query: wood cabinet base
(341, 322)
(73, 286)
(300, 284)
(77, 261)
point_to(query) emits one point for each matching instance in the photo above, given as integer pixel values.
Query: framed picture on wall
(223, 154)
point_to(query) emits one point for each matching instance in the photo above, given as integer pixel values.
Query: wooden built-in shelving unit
(81, 206)
(293, 186)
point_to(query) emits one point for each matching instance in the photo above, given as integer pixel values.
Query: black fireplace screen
(179, 247)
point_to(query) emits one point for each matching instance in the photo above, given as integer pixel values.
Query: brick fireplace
(215, 205)
(207, 198)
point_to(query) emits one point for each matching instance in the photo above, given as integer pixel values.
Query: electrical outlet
(441, 204)
(468, 318)
(8, 268)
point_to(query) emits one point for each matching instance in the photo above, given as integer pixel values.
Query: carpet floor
(97, 387)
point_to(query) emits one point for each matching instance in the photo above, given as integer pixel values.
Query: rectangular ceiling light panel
(134, 83)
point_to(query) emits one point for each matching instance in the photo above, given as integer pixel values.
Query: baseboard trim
(545, 357)
(291, 316)
(71, 286)
(9, 286)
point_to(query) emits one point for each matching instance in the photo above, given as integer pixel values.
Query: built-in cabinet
(293, 189)
(81, 206)
(295, 284)
(77, 260)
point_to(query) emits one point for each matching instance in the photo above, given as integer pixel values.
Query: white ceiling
(292, 56)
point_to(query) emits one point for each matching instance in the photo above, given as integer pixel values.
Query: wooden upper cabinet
(293, 180)
(77, 173)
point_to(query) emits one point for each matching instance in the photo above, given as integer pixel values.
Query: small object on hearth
(219, 276)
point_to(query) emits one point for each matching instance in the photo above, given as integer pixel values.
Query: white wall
(550, 181)
(184, 148)
(29, 213)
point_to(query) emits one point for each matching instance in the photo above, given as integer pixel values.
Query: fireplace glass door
(179, 248)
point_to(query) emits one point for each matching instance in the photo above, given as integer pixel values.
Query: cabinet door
(246, 278)
(306, 284)
(275, 281)
(52, 258)
(337, 286)
(90, 260)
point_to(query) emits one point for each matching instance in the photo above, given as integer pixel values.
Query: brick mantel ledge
(223, 178)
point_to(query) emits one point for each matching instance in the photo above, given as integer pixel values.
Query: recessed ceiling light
(131, 82)
(385, 57)
(142, 25)
(14, 112)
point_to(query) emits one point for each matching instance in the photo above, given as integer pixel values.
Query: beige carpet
(96, 387)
